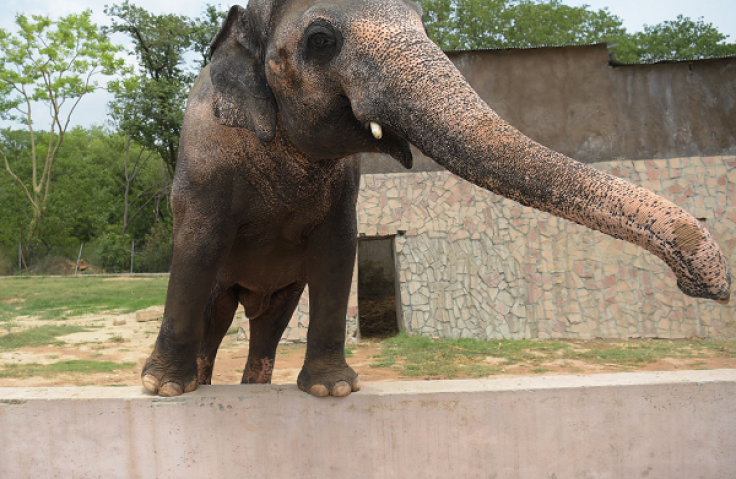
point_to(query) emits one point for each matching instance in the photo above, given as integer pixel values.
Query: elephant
(265, 189)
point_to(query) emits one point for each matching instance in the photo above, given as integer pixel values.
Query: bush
(114, 253)
(155, 256)
(7, 267)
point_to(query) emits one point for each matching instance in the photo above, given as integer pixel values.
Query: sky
(634, 13)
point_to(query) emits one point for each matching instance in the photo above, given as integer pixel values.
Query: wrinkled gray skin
(265, 189)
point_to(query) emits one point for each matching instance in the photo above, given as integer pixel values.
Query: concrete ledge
(655, 425)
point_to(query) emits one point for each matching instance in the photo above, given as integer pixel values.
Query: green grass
(38, 336)
(632, 353)
(348, 352)
(420, 356)
(76, 366)
(56, 298)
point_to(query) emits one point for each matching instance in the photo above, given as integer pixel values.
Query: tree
(52, 63)
(149, 106)
(139, 192)
(681, 39)
(530, 23)
(203, 30)
(477, 24)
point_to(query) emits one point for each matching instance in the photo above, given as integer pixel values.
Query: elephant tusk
(376, 130)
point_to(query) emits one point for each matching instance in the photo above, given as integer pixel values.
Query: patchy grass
(420, 356)
(348, 352)
(75, 366)
(116, 338)
(633, 353)
(38, 336)
(231, 330)
(57, 298)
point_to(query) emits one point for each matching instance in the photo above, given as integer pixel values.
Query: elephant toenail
(150, 383)
(319, 390)
(170, 389)
(356, 385)
(342, 388)
(191, 386)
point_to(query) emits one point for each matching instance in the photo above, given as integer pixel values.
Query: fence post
(132, 254)
(79, 258)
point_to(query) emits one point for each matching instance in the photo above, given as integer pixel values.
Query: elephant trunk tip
(717, 288)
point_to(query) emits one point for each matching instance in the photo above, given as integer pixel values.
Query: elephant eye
(322, 42)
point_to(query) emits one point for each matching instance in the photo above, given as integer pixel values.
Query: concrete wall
(615, 426)
(573, 100)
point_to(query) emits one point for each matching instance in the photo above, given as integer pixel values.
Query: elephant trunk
(427, 101)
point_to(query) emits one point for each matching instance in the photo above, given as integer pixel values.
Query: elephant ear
(242, 97)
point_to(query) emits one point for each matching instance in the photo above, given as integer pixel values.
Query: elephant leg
(218, 317)
(329, 275)
(266, 331)
(201, 241)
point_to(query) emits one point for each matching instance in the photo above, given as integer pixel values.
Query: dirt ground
(132, 342)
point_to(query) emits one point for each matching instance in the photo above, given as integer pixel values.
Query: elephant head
(342, 77)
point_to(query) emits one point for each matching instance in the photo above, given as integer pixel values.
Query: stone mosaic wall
(473, 264)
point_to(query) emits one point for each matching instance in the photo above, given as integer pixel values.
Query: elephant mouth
(391, 143)
(380, 138)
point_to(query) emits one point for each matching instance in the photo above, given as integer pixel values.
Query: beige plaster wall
(615, 426)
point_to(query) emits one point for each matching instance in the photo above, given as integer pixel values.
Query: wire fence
(81, 258)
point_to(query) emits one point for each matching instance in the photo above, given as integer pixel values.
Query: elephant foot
(204, 370)
(328, 381)
(167, 376)
(258, 371)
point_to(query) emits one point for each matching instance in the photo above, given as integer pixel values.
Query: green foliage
(84, 199)
(149, 106)
(681, 39)
(203, 30)
(115, 253)
(143, 186)
(37, 336)
(54, 298)
(52, 62)
(74, 366)
(477, 24)
(156, 250)
(88, 191)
